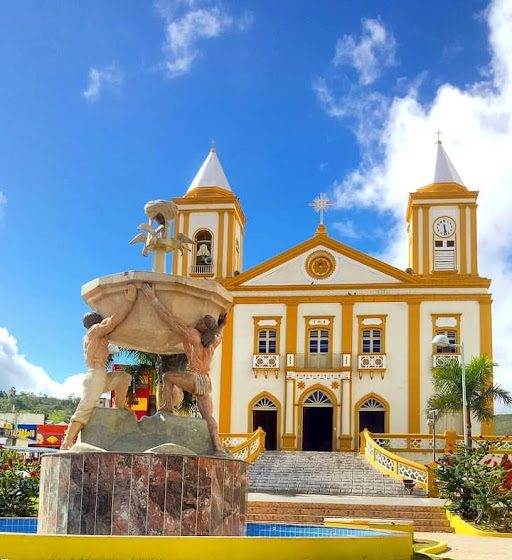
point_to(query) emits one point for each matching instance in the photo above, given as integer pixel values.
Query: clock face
(444, 226)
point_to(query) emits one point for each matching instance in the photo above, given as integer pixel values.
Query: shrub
(19, 485)
(478, 486)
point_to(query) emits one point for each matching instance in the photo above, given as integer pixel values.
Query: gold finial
(212, 145)
(438, 132)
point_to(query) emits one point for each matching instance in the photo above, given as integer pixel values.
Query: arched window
(318, 398)
(203, 251)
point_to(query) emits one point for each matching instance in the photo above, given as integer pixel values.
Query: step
(425, 518)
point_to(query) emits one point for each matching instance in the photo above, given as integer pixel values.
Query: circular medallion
(320, 264)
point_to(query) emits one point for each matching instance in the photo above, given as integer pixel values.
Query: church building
(324, 340)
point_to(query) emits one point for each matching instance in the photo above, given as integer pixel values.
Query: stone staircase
(314, 472)
(425, 518)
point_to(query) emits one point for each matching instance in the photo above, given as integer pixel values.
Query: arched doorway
(372, 416)
(265, 415)
(317, 422)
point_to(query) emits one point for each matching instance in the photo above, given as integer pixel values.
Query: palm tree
(481, 392)
(144, 363)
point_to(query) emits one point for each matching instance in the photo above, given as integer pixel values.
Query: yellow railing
(395, 466)
(246, 447)
(445, 442)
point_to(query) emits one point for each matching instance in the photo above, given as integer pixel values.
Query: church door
(372, 416)
(317, 422)
(264, 416)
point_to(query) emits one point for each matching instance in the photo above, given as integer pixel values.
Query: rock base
(109, 493)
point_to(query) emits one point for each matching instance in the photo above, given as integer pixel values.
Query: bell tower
(441, 224)
(211, 216)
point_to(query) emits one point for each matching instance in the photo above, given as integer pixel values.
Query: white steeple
(210, 174)
(445, 171)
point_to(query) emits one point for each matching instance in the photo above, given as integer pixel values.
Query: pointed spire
(210, 174)
(445, 171)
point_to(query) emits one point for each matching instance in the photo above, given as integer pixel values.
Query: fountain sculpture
(165, 474)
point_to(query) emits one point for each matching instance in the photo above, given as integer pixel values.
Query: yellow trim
(426, 240)
(417, 198)
(357, 406)
(462, 527)
(219, 270)
(204, 198)
(486, 348)
(258, 328)
(275, 400)
(381, 327)
(184, 259)
(443, 189)
(405, 298)
(226, 376)
(335, 406)
(289, 441)
(315, 260)
(321, 242)
(463, 240)
(414, 367)
(308, 328)
(347, 334)
(420, 282)
(395, 546)
(231, 244)
(415, 240)
(474, 243)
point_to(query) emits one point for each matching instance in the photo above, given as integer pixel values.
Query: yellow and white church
(324, 340)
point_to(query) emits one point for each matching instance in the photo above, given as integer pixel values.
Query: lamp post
(432, 422)
(442, 340)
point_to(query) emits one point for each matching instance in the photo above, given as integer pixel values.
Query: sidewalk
(462, 547)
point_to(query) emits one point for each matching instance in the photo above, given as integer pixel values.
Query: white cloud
(187, 24)
(369, 55)
(347, 229)
(3, 203)
(17, 371)
(106, 78)
(477, 122)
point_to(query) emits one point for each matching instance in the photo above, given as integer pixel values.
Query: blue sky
(105, 105)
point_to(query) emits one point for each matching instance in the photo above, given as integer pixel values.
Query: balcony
(202, 269)
(315, 362)
(265, 364)
(371, 363)
(439, 360)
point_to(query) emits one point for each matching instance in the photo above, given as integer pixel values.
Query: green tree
(481, 392)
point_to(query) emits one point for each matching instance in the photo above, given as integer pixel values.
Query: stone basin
(187, 298)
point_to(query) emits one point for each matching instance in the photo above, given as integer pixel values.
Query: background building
(324, 340)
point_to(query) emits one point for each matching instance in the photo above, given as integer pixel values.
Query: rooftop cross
(438, 132)
(321, 204)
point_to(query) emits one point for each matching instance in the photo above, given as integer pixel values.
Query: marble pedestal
(110, 493)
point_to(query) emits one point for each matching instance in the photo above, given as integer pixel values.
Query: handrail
(395, 466)
(445, 442)
(246, 447)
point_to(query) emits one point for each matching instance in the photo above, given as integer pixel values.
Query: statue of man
(199, 343)
(97, 379)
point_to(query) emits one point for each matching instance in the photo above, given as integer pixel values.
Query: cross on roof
(321, 204)
(438, 132)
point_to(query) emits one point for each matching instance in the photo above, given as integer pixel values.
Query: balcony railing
(371, 361)
(314, 362)
(265, 361)
(439, 360)
(201, 269)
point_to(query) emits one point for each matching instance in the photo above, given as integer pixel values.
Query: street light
(432, 419)
(442, 340)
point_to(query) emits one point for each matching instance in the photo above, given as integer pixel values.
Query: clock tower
(441, 224)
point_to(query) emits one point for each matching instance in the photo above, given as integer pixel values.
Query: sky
(106, 105)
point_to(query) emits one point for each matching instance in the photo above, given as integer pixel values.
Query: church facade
(324, 340)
